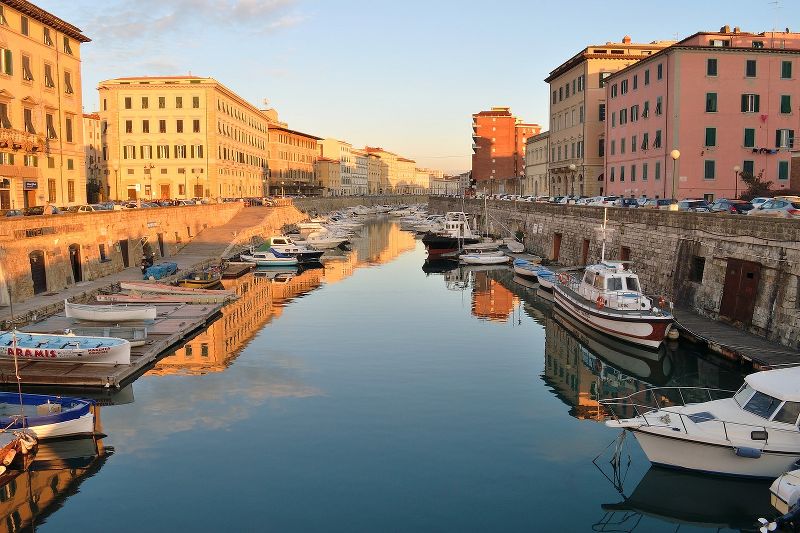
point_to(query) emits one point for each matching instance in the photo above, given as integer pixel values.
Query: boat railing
(646, 402)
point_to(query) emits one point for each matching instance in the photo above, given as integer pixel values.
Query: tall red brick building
(498, 146)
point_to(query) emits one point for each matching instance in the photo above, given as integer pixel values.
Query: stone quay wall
(326, 204)
(99, 240)
(685, 256)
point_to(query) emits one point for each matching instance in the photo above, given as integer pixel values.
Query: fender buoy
(600, 303)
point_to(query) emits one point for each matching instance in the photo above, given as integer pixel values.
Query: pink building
(726, 101)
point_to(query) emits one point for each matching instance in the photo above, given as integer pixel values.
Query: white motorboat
(136, 335)
(608, 298)
(64, 348)
(286, 246)
(270, 257)
(322, 241)
(752, 433)
(457, 233)
(109, 313)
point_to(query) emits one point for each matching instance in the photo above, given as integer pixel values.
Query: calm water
(371, 396)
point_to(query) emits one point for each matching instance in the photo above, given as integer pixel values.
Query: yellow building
(329, 175)
(292, 155)
(406, 176)
(181, 137)
(96, 170)
(41, 139)
(388, 168)
(374, 166)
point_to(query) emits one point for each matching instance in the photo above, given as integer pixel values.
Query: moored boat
(286, 246)
(751, 433)
(64, 348)
(49, 417)
(457, 232)
(201, 280)
(109, 313)
(163, 298)
(148, 286)
(526, 269)
(546, 279)
(269, 258)
(136, 335)
(484, 258)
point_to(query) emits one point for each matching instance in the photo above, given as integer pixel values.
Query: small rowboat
(161, 298)
(483, 259)
(136, 335)
(49, 417)
(526, 269)
(64, 348)
(200, 280)
(546, 279)
(109, 313)
(147, 286)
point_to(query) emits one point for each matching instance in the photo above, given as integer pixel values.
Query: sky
(405, 75)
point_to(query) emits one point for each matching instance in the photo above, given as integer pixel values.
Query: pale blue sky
(405, 75)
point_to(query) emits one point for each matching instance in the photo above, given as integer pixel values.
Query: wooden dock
(173, 326)
(734, 343)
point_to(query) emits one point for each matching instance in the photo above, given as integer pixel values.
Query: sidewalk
(205, 248)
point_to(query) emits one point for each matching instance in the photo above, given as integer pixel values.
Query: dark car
(698, 206)
(14, 213)
(736, 207)
(626, 202)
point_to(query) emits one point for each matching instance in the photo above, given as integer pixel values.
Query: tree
(755, 185)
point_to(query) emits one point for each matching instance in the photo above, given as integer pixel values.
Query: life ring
(600, 302)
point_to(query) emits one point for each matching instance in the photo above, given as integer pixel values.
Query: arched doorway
(75, 262)
(38, 274)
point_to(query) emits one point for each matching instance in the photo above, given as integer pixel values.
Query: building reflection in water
(490, 299)
(263, 294)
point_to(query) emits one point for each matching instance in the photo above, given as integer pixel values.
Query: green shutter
(786, 69)
(749, 137)
(711, 136)
(758, 103)
(783, 170)
(744, 103)
(709, 170)
(786, 103)
(7, 62)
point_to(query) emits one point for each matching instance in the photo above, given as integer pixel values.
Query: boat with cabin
(457, 232)
(49, 417)
(269, 257)
(286, 246)
(109, 313)
(752, 432)
(68, 348)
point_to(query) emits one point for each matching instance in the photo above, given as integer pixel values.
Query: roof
(404, 160)
(586, 53)
(95, 115)
(495, 112)
(47, 18)
(783, 383)
(287, 130)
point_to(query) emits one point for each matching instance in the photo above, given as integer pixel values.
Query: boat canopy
(783, 384)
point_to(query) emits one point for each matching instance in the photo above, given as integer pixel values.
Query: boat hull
(484, 259)
(676, 452)
(74, 349)
(162, 298)
(146, 286)
(526, 273)
(277, 261)
(644, 329)
(444, 245)
(199, 283)
(107, 313)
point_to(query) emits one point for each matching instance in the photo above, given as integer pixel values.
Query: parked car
(660, 203)
(604, 201)
(14, 213)
(641, 201)
(698, 206)
(777, 208)
(555, 199)
(725, 205)
(626, 202)
(759, 200)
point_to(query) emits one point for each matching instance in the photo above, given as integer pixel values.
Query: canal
(372, 395)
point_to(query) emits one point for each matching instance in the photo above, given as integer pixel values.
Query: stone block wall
(683, 256)
(326, 204)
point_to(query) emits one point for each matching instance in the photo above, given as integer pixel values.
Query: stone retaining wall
(684, 256)
(326, 204)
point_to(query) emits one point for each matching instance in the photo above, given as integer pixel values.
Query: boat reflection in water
(691, 499)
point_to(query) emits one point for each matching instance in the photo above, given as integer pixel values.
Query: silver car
(777, 208)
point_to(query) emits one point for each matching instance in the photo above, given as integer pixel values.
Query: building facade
(291, 159)
(722, 103)
(387, 164)
(406, 176)
(578, 114)
(181, 137)
(498, 146)
(41, 139)
(537, 181)
(343, 152)
(374, 169)
(360, 177)
(95, 167)
(329, 176)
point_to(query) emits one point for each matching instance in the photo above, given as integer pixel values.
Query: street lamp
(148, 169)
(282, 191)
(572, 169)
(736, 170)
(675, 155)
(115, 167)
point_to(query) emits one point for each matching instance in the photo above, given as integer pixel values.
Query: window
(197, 151)
(128, 126)
(68, 83)
(709, 171)
(27, 75)
(162, 126)
(786, 70)
(647, 77)
(613, 119)
(24, 26)
(711, 66)
(633, 172)
(658, 105)
(48, 76)
(646, 109)
(179, 126)
(70, 190)
(603, 76)
(70, 164)
(645, 141)
(196, 126)
(634, 113)
(145, 102)
(67, 47)
(51, 190)
(46, 38)
(750, 103)
(3, 22)
(162, 151)
(783, 170)
(635, 82)
(622, 173)
(127, 102)
(633, 143)
(784, 138)
(560, 93)
(145, 126)
(657, 139)
(644, 171)
(613, 146)
(657, 173)
(128, 152)
(622, 145)
(614, 91)
(623, 87)
(749, 137)
(180, 151)
(580, 114)
(788, 413)
(28, 116)
(623, 116)
(748, 167)
(762, 405)
(146, 151)
(51, 128)
(555, 97)
(660, 71)
(750, 68)
(566, 90)
(601, 148)
(178, 102)
(786, 104)
(6, 62)
(162, 102)
(711, 136)
(711, 102)
(196, 102)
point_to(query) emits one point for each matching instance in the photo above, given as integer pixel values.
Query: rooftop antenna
(265, 101)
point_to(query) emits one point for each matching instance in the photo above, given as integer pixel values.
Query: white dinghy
(109, 313)
(64, 348)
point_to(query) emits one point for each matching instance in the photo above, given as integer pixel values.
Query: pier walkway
(735, 343)
(210, 243)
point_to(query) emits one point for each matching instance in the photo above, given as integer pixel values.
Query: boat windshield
(614, 284)
(762, 405)
(633, 283)
(788, 413)
(743, 394)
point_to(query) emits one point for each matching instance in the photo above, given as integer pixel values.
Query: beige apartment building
(41, 140)
(329, 175)
(291, 159)
(388, 168)
(181, 137)
(577, 113)
(536, 154)
(406, 176)
(341, 151)
(95, 167)
(373, 172)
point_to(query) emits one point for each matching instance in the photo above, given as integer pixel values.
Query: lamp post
(572, 169)
(283, 193)
(675, 155)
(115, 167)
(736, 170)
(148, 169)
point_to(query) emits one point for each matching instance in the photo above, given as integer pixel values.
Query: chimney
(737, 29)
(725, 29)
(626, 39)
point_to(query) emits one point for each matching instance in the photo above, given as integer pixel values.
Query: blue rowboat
(526, 269)
(49, 417)
(546, 278)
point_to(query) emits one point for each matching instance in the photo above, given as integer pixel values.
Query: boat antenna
(603, 249)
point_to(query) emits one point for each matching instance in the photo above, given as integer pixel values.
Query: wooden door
(165, 192)
(38, 272)
(161, 244)
(75, 262)
(585, 252)
(740, 290)
(556, 246)
(123, 248)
